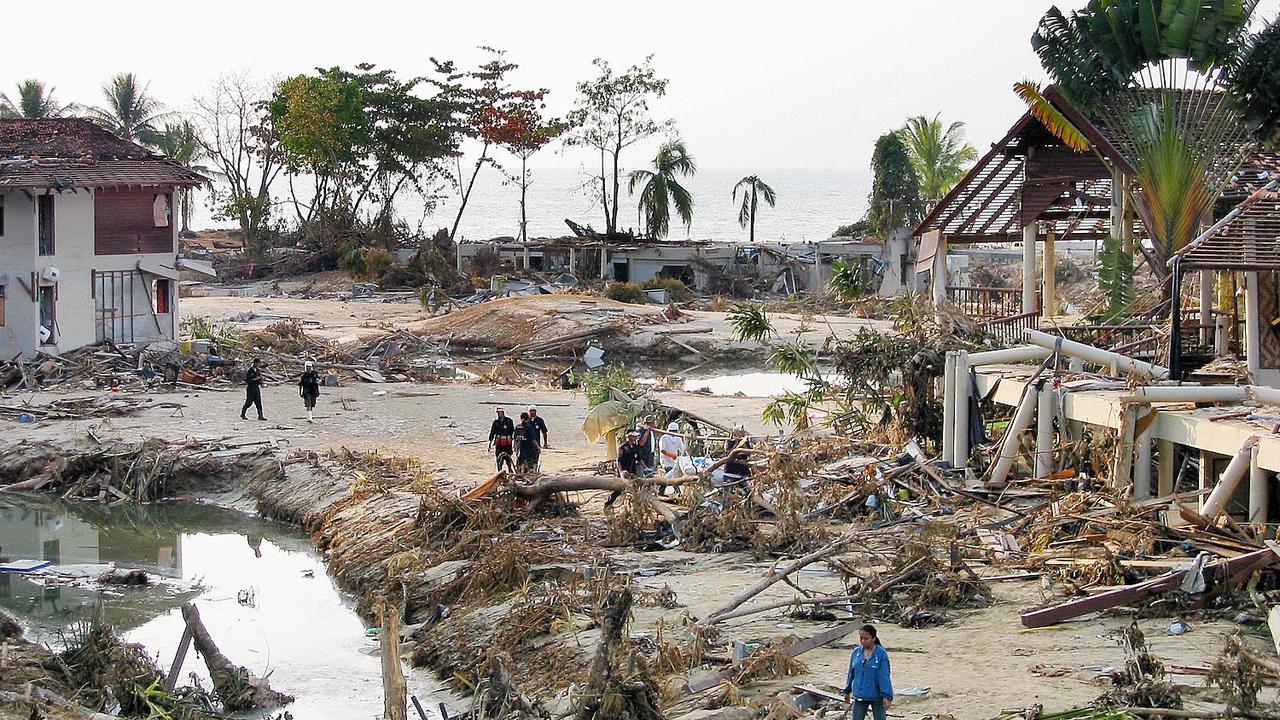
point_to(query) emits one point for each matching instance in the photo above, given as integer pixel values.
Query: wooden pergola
(1246, 239)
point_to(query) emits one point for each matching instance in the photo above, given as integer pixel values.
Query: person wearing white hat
(540, 427)
(309, 388)
(671, 447)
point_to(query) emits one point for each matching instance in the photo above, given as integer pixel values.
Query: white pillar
(1029, 268)
(949, 407)
(1216, 504)
(573, 261)
(526, 258)
(604, 262)
(938, 275)
(1142, 463)
(1221, 336)
(1044, 431)
(961, 457)
(1164, 478)
(1259, 490)
(1252, 324)
(457, 257)
(1013, 435)
(819, 288)
(1049, 303)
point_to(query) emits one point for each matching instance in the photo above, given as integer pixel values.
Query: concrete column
(1013, 435)
(573, 261)
(1221, 336)
(949, 408)
(1029, 268)
(1164, 474)
(1252, 324)
(527, 267)
(457, 258)
(1049, 302)
(1206, 308)
(819, 288)
(1259, 490)
(1142, 463)
(961, 457)
(1044, 431)
(1122, 468)
(604, 262)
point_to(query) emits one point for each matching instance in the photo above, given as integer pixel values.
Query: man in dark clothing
(540, 425)
(629, 463)
(501, 435)
(527, 450)
(648, 438)
(253, 389)
(309, 387)
(737, 470)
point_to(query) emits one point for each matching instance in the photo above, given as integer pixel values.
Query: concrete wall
(74, 257)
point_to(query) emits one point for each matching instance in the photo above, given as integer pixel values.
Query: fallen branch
(235, 686)
(772, 577)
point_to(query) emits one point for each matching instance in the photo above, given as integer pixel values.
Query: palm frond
(1050, 116)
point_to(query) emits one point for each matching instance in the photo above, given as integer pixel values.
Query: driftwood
(503, 695)
(1122, 596)
(773, 576)
(602, 680)
(235, 686)
(794, 650)
(394, 689)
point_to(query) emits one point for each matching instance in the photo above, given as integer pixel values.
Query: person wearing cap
(527, 450)
(671, 447)
(309, 388)
(253, 389)
(737, 469)
(628, 463)
(647, 440)
(501, 436)
(540, 426)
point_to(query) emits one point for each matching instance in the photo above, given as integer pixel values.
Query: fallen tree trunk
(235, 686)
(607, 695)
(394, 689)
(772, 577)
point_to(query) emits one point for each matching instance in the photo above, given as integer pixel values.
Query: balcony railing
(986, 303)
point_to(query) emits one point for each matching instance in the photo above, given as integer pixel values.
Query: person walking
(253, 389)
(309, 388)
(540, 425)
(629, 464)
(501, 435)
(868, 683)
(527, 449)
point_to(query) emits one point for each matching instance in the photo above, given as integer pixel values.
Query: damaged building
(88, 241)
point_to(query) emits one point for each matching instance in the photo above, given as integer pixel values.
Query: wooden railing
(1007, 331)
(986, 303)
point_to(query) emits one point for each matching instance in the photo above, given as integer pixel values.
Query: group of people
(308, 389)
(645, 443)
(518, 446)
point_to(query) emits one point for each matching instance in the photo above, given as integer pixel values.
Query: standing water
(262, 590)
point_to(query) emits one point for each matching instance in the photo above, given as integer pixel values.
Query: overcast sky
(798, 84)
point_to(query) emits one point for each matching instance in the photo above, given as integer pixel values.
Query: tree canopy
(938, 153)
(660, 188)
(33, 101)
(895, 188)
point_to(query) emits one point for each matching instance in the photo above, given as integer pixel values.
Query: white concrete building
(88, 238)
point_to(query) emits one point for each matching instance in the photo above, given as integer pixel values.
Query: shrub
(677, 291)
(626, 292)
(366, 263)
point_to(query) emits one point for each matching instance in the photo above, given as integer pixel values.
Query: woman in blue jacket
(868, 683)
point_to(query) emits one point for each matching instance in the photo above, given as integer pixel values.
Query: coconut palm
(661, 189)
(939, 154)
(33, 100)
(130, 111)
(181, 143)
(752, 188)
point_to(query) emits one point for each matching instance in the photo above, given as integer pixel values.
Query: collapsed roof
(67, 153)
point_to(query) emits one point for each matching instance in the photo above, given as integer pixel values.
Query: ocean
(811, 205)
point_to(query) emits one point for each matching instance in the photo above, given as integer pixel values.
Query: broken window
(48, 318)
(161, 210)
(162, 289)
(44, 223)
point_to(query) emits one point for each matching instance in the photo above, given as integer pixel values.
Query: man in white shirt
(672, 447)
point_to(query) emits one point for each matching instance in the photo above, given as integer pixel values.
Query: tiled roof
(65, 153)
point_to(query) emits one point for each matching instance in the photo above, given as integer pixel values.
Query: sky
(800, 84)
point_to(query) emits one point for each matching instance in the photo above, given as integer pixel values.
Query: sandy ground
(976, 666)
(541, 317)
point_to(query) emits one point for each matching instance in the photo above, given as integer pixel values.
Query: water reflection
(262, 589)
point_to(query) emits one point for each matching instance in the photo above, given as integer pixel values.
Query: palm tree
(181, 143)
(662, 189)
(34, 100)
(130, 111)
(939, 154)
(752, 188)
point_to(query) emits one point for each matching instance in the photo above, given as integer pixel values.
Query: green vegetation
(849, 280)
(626, 292)
(660, 188)
(753, 188)
(895, 188)
(33, 101)
(598, 385)
(677, 291)
(939, 154)
(130, 110)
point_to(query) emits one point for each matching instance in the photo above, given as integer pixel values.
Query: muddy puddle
(261, 588)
